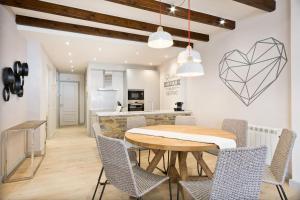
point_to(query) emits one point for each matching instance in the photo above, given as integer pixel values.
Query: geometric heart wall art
(248, 75)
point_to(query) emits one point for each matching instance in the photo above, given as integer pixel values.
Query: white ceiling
(85, 48)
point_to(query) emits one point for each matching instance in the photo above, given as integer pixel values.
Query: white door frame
(78, 82)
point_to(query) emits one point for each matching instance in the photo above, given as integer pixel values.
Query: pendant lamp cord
(160, 12)
(189, 26)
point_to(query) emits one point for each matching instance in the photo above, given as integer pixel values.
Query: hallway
(70, 171)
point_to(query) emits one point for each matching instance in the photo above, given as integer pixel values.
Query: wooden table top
(169, 144)
(27, 125)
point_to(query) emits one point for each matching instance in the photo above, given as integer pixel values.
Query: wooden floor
(70, 171)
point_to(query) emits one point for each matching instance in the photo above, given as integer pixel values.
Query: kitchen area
(115, 92)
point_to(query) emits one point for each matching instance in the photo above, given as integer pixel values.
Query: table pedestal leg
(172, 171)
(183, 171)
(202, 163)
(158, 155)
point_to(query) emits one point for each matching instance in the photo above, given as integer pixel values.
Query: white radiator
(259, 135)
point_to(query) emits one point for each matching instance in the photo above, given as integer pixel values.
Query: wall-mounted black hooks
(13, 80)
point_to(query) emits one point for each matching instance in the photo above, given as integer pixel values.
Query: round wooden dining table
(178, 148)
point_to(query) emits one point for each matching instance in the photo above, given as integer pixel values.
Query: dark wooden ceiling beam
(62, 26)
(77, 13)
(266, 5)
(154, 6)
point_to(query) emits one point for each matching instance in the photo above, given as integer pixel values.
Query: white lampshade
(183, 56)
(160, 39)
(190, 69)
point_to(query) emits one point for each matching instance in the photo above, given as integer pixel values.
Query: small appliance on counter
(135, 100)
(179, 106)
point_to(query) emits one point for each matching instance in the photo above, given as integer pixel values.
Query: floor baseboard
(295, 185)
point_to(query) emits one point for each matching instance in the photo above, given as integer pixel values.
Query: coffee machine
(179, 106)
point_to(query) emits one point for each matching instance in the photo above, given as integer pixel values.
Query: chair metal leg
(170, 189)
(283, 192)
(103, 190)
(99, 179)
(139, 163)
(177, 195)
(278, 189)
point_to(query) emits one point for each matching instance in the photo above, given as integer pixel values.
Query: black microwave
(135, 94)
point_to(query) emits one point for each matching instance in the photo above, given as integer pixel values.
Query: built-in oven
(136, 107)
(135, 94)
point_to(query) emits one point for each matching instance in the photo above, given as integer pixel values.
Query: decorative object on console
(13, 80)
(179, 106)
(160, 39)
(189, 60)
(249, 75)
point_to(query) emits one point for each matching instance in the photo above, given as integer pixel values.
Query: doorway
(69, 103)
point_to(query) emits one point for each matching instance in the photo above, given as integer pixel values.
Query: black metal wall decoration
(13, 80)
(249, 75)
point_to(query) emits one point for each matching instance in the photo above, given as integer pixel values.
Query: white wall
(34, 104)
(170, 95)
(79, 78)
(211, 101)
(12, 48)
(295, 74)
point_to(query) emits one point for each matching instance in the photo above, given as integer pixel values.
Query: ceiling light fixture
(160, 39)
(173, 9)
(71, 61)
(137, 53)
(125, 61)
(70, 54)
(72, 66)
(100, 49)
(222, 21)
(189, 60)
(150, 63)
(95, 59)
(67, 43)
(72, 70)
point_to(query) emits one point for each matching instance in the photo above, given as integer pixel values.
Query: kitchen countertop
(156, 112)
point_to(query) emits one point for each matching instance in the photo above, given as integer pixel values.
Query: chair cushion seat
(198, 189)
(146, 181)
(269, 177)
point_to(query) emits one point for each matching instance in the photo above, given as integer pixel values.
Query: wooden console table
(29, 128)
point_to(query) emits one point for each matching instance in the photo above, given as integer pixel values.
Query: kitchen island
(113, 124)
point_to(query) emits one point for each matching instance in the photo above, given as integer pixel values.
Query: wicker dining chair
(238, 175)
(239, 128)
(185, 120)
(133, 180)
(132, 156)
(275, 173)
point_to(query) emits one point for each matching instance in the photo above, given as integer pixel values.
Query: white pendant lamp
(189, 60)
(190, 68)
(160, 39)
(183, 56)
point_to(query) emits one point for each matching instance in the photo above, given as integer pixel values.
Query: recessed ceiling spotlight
(173, 9)
(67, 43)
(71, 61)
(137, 53)
(70, 54)
(72, 70)
(166, 56)
(99, 49)
(150, 63)
(222, 21)
(95, 59)
(72, 66)
(125, 61)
